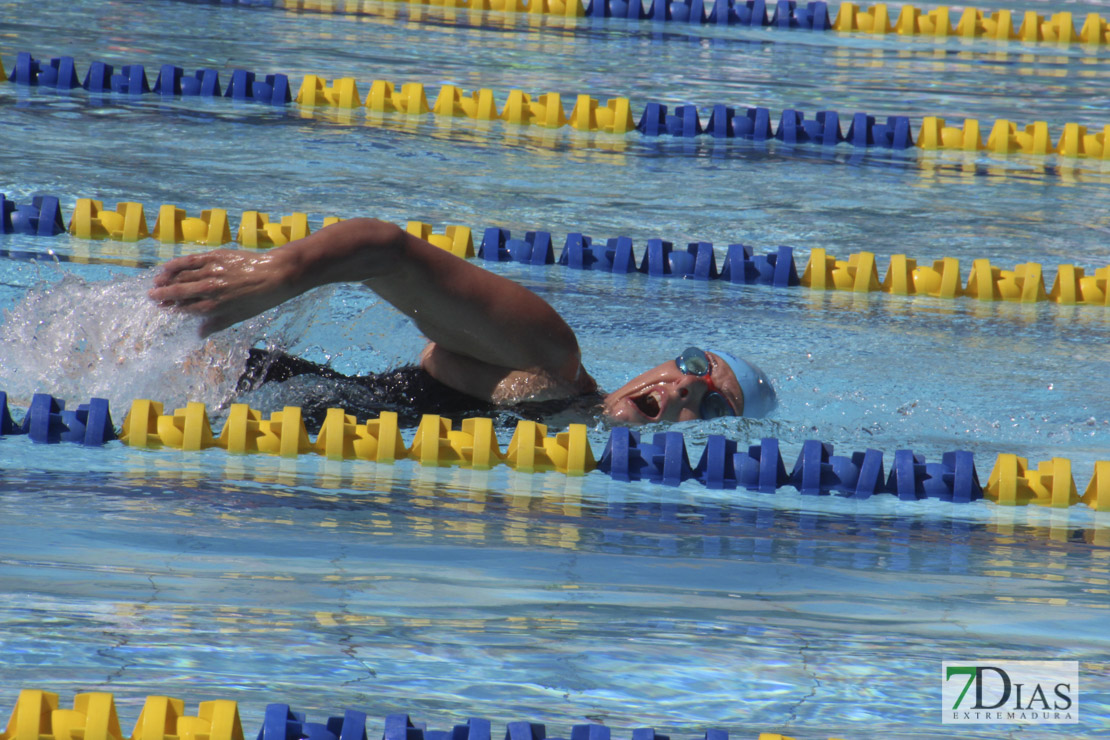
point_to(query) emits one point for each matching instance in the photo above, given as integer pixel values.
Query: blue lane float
(814, 16)
(761, 468)
(58, 74)
(824, 129)
(721, 122)
(777, 268)
(131, 80)
(172, 81)
(273, 89)
(661, 259)
(663, 460)
(47, 421)
(99, 78)
(43, 422)
(817, 472)
(41, 217)
(499, 246)
(204, 83)
(7, 426)
(534, 249)
(89, 424)
(580, 253)
(281, 723)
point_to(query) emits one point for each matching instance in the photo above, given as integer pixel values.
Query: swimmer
(490, 340)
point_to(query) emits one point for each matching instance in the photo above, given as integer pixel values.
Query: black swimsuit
(410, 391)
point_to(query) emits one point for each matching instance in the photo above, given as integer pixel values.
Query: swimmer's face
(665, 393)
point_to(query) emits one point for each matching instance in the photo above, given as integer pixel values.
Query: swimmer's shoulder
(500, 385)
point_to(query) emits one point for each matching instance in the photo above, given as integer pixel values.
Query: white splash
(77, 339)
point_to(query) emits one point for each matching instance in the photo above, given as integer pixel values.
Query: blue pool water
(452, 593)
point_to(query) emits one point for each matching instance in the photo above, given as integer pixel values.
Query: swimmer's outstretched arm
(485, 330)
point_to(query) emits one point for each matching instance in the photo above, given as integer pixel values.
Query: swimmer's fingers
(191, 267)
(200, 296)
(176, 267)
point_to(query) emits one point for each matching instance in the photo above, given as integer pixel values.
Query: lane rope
(664, 460)
(698, 261)
(37, 717)
(908, 20)
(614, 116)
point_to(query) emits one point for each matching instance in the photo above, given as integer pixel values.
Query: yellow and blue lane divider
(905, 20)
(37, 716)
(547, 110)
(664, 460)
(858, 273)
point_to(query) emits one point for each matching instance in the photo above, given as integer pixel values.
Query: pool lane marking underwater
(1000, 25)
(36, 716)
(627, 457)
(859, 273)
(588, 114)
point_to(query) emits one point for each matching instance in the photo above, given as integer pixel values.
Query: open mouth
(648, 405)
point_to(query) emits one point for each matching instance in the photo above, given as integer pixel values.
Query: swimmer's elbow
(355, 249)
(380, 240)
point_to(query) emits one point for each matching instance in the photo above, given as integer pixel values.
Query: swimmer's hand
(225, 286)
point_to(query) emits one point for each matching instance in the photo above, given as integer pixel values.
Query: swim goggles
(694, 361)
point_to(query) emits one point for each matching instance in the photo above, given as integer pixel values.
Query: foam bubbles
(77, 339)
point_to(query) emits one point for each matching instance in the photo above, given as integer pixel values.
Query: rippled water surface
(453, 593)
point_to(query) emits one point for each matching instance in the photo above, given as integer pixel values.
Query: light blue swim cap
(759, 395)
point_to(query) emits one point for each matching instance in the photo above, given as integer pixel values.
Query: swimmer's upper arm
(476, 314)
